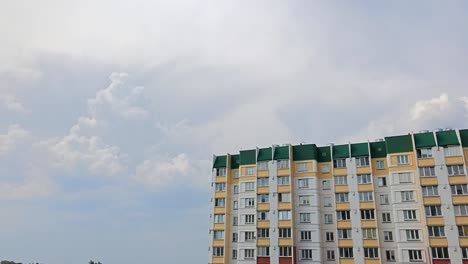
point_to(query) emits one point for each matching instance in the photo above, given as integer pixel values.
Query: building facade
(402, 199)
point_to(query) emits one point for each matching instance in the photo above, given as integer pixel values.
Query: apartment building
(401, 199)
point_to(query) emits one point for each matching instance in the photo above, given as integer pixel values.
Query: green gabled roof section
(464, 137)
(235, 161)
(247, 157)
(341, 151)
(281, 152)
(359, 149)
(424, 140)
(264, 154)
(305, 152)
(446, 138)
(220, 162)
(399, 144)
(378, 150)
(323, 154)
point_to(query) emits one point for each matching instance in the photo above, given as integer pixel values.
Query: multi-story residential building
(402, 199)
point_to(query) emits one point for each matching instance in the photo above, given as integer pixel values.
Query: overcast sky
(110, 111)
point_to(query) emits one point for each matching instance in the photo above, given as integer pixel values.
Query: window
(262, 182)
(218, 234)
(433, 210)
(249, 171)
(404, 177)
(249, 219)
(236, 175)
(306, 254)
(235, 205)
(440, 253)
(464, 252)
(262, 165)
(369, 233)
(220, 187)
(249, 236)
(382, 181)
(330, 254)
(371, 253)
(283, 164)
(402, 160)
(329, 236)
(390, 255)
(304, 200)
(409, 215)
(328, 218)
(451, 151)
(249, 186)
(431, 190)
(463, 231)
(234, 254)
(235, 188)
(263, 198)
(306, 235)
(263, 215)
(341, 180)
(415, 255)
(344, 233)
(424, 153)
(284, 197)
(339, 163)
(303, 183)
(219, 219)
(367, 214)
(455, 170)
(327, 201)
(407, 196)
(285, 251)
(283, 180)
(427, 171)
(325, 168)
(362, 161)
(235, 220)
(221, 172)
(249, 202)
(384, 199)
(437, 231)
(346, 253)
(412, 234)
(386, 218)
(326, 185)
(235, 237)
(459, 189)
(461, 210)
(284, 215)
(263, 251)
(284, 232)
(304, 217)
(388, 236)
(342, 197)
(218, 251)
(343, 215)
(366, 196)
(380, 164)
(220, 202)
(249, 253)
(263, 232)
(364, 178)
(301, 167)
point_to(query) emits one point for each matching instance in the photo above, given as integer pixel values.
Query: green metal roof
(247, 157)
(324, 154)
(424, 140)
(445, 138)
(464, 137)
(264, 154)
(378, 150)
(282, 152)
(399, 144)
(235, 161)
(341, 151)
(220, 162)
(359, 149)
(305, 152)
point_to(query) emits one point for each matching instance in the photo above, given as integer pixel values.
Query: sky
(110, 111)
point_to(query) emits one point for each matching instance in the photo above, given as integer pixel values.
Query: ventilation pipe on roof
(423, 131)
(379, 140)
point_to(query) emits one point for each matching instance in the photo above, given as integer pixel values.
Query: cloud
(11, 103)
(425, 108)
(12, 138)
(35, 187)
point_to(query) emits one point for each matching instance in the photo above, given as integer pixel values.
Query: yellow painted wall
(340, 172)
(220, 194)
(264, 189)
(344, 261)
(370, 243)
(219, 243)
(219, 210)
(365, 187)
(368, 224)
(461, 199)
(343, 224)
(284, 206)
(363, 170)
(432, 200)
(372, 261)
(463, 241)
(219, 226)
(454, 160)
(438, 242)
(377, 172)
(342, 206)
(457, 179)
(244, 168)
(285, 242)
(283, 172)
(411, 159)
(425, 181)
(345, 243)
(433, 221)
(263, 241)
(426, 162)
(284, 188)
(218, 260)
(341, 188)
(461, 220)
(263, 207)
(366, 205)
(263, 173)
(263, 224)
(284, 223)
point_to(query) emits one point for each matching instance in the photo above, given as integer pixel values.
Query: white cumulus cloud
(14, 135)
